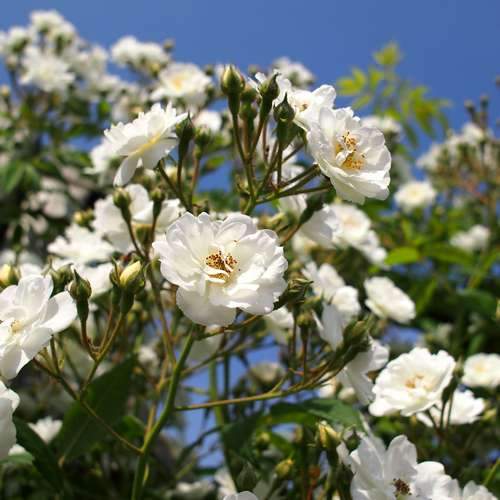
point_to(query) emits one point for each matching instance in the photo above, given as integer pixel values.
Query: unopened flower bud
(83, 217)
(185, 132)
(122, 199)
(284, 113)
(248, 112)
(5, 92)
(249, 94)
(285, 128)
(131, 282)
(131, 278)
(247, 478)
(61, 277)
(81, 291)
(263, 441)
(327, 437)
(202, 137)
(9, 275)
(80, 288)
(295, 292)
(269, 90)
(284, 469)
(232, 81)
(158, 197)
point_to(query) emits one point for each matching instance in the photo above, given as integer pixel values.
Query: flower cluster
(235, 242)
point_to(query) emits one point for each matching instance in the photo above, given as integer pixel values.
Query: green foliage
(107, 396)
(382, 91)
(43, 458)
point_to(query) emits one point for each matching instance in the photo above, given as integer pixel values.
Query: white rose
(144, 141)
(482, 370)
(411, 383)
(29, 318)
(415, 194)
(220, 266)
(386, 300)
(355, 158)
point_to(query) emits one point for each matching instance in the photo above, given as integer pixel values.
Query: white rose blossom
(220, 266)
(331, 287)
(355, 374)
(386, 300)
(388, 125)
(129, 50)
(9, 401)
(354, 158)
(465, 409)
(412, 383)
(144, 141)
(414, 195)
(45, 70)
(109, 222)
(392, 473)
(482, 370)
(294, 71)
(101, 157)
(306, 104)
(210, 119)
(321, 227)
(280, 322)
(182, 81)
(474, 239)
(472, 491)
(87, 253)
(29, 318)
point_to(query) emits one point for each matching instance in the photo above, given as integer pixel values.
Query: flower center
(401, 486)
(415, 381)
(353, 160)
(178, 81)
(16, 326)
(220, 266)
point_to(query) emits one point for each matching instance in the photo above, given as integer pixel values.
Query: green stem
(168, 409)
(491, 473)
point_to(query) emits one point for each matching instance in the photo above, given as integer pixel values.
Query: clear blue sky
(450, 45)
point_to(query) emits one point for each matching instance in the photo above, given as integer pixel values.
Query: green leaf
(24, 458)
(332, 410)
(484, 267)
(402, 255)
(44, 460)
(478, 301)
(107, 396)
(389, 55)
(307, 412)
(362, 101)
(448, 253)
(424, 294)
(11, 175)
(213, 163)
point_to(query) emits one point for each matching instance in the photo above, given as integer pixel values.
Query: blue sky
(449, 45)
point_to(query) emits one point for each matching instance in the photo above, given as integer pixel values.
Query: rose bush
(222, 284)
